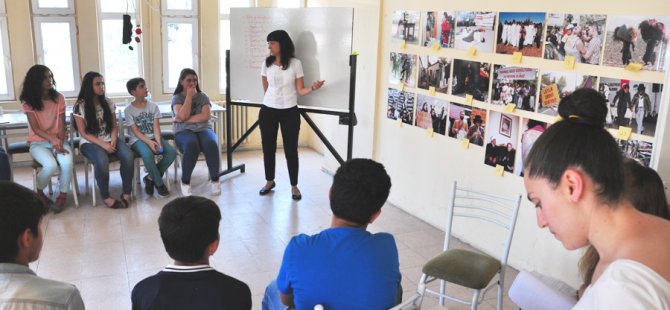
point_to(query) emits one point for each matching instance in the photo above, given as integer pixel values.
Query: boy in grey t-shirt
(145, 137)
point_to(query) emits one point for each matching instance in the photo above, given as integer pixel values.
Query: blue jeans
(5, 174)
(271, 298)
(43, 153)
(190, 144)
(156, 172)
(100, 159)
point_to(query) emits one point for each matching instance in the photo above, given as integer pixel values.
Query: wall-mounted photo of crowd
(520, 32)
(640, 151)
(400, 106)
(576, 35)
(515, 85)
(632, 104)
(556, 85)
(431, 113)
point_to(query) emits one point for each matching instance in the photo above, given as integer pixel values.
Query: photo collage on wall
(507, 137)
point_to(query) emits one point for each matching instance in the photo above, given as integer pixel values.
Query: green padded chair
(467, 268)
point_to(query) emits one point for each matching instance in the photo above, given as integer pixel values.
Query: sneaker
(163, 191)
(216, 188)
(148, 185)
(185, 189)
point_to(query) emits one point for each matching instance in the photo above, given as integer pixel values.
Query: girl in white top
(283, 81)
(574, 176)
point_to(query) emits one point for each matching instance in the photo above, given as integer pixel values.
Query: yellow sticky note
(634, 67)
(436, 46)
(398, 122)
(624, 133)
(516, 57)
(355, 53)
(465, 143)
(468, 99)
(499, 170)
(569, 62)
(472, 51)
(431, 90)
(510, 107)
(429, 132)
(403, 44)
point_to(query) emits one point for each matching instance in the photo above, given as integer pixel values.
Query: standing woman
(193, 131)
(96, 122)
(283, 81)
(45, 110)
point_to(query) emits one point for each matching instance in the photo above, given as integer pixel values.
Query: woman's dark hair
(286, 48)
(87, 97)
(182, 76)
(579, 141)
(645, 191)
(31, 91)
(585, 103)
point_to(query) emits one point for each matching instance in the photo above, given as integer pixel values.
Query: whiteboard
(322, 39)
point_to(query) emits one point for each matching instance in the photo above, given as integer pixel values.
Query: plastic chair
(467, 268)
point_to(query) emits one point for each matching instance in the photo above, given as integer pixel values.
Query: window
(224, 34)
(289, 3)
(55, 39)
(180, 41)
(119, 63)
(6, 85)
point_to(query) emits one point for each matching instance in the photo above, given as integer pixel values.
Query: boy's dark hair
(133, 83)
(20, 209)
(360, 189)
(188, 225)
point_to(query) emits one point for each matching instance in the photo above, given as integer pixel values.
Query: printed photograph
(403, 69)
(632, 104)
(637, 39)
(405, 26)
(447, 25)
(471, 78)
(400, 106)
(431, 113)
(502, 140)
(530, 131)
(520, 32)
(515, 85)
(640, 151)
(578, 35)
(555, 85)
(475, 29)
(430, 28)
(467, 122)
(434, 71)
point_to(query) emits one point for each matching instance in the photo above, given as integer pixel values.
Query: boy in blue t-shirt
(189, 228)
(145, 137)
(344, 266)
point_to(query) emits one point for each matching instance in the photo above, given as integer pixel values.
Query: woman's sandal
(117, 205)
(125, 202)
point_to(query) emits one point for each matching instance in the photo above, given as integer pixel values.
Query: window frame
(36, 10)
(39, 50)
(222, 51)
(6, 52)
(196, 52)
(102, 16)
(193, 12)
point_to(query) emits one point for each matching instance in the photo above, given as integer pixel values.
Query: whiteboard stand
(347, 118)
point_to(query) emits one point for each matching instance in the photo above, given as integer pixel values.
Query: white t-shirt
(281, 93)
(627, 284)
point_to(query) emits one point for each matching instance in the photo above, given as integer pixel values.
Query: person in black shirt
(189, 227)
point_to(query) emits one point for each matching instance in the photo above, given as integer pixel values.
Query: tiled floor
(105, 252)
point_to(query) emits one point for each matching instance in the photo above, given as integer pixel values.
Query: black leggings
(269, 120)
